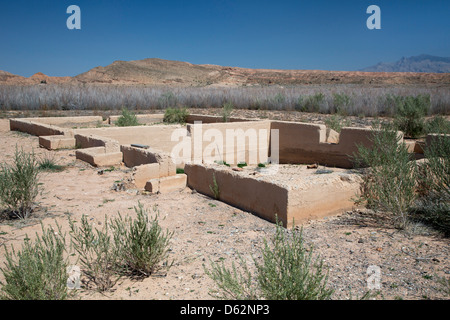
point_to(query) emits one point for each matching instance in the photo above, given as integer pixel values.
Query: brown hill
(158, 71)
(164, 72)
(42, 78)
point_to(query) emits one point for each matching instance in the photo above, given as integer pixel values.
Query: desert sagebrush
(19, 185)
(287, 270)
(38, 271)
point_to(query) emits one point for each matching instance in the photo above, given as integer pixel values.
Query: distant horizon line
(240, 67)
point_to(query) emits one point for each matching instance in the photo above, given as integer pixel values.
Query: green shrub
(48, 163)
(167, 100)
(434, 184)
(311, 103)
(389, 182)
(127, 119)
(38, 271)
(215, 188)
(242, 164)
(226, 111)
(438, 124)
(97, 253)
(410, 114)
(124, 246)
(287, 270)
(341, 103)
(336, 122)
(142, 244)
(175, 115)
(19, 185)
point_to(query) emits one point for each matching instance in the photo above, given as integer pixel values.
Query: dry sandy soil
(205, 229)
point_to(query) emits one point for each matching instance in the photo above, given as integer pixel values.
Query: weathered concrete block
(172, 183)
(332, 136)
(167, 184)
(98, 157)
(144, 173)
(57, 142)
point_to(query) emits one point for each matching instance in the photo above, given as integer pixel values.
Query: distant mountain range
(422, 63)
(154, 71)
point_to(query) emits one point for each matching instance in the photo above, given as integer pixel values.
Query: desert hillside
(164, 72)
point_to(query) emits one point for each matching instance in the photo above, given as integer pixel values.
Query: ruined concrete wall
(307, 143)
(36, 128)
(69, 122)
(328, 198)
(230, 142)
(158, 136)
(262, 198)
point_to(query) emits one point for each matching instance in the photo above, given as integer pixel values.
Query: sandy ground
(205, 229)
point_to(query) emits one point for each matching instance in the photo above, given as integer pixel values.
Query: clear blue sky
(276, 34)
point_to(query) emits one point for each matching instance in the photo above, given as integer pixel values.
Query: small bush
(242, 164)
(142, 244)
(48, 163)
(127, 119)
(311, 103)
(167, 100)
(389, 182)
(97, 252)
(287, 271)
(124, 246)
(434, 184)
(19, 185)
(215, 188)
(410, 114)
(336, 122)
(227, 109)
(438, 124)
(38, 271)
(175, 115)
(341, 103)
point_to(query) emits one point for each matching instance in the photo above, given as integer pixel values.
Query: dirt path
(206, 229)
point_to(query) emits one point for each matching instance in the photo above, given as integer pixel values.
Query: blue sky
(283, 34)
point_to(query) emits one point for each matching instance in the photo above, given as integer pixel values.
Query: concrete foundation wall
(220, 142)
(307, 143)
(133, 157)
(69, 122)
(36, 128)
(158, 136)
(259, 197)
(325, 199)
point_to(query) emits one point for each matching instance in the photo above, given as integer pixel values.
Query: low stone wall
(147, 164)
(36, 128)
(264, 199)
(231, 142)
(157, 136)
(311, 196)
(307, 143)
(99, 157)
